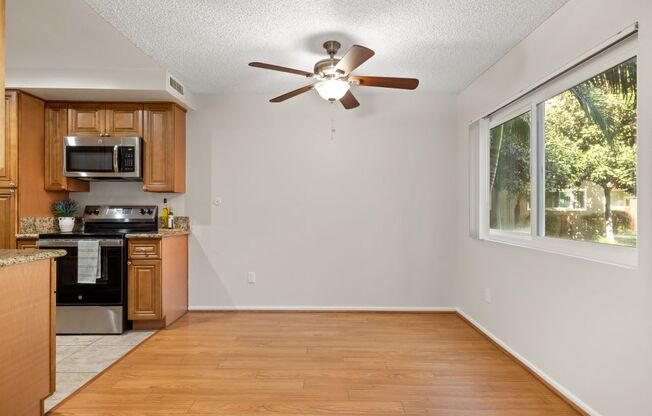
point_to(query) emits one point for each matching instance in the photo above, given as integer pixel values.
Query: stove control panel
(121, 213)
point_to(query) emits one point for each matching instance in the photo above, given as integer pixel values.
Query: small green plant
(65, 208)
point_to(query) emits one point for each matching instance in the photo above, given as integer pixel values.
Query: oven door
(102, 157)
(107, 290)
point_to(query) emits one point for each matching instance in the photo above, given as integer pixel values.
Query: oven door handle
(115, 159)
(74, 243)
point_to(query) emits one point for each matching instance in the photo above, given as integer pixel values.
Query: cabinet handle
(128, 263)
(12, 185)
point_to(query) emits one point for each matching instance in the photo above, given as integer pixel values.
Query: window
(561, 163)
(509, 174)
(590, 141)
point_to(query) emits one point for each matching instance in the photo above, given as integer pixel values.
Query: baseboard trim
(323, 308)
(577, 404)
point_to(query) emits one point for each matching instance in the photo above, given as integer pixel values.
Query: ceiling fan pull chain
(332, 121)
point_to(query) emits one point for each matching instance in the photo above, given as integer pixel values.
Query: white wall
(364, 220)
(586, 325)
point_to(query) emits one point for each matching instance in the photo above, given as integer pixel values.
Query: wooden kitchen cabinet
(23, 189)
(5, 158)
(28, 352)
(56, 128)
(145, 289)
(164, 141)
(8, 218)
(157, 281)
(9, 144)
(161, 125)
(26, 243)
(145, 249)
(105, 119)
(124, 119)
(86, 119)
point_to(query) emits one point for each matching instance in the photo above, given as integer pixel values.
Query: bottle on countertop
(171, 219)
(164, 214)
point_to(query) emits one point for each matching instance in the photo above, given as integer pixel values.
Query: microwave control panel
(128, 159)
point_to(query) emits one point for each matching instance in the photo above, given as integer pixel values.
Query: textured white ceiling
(208, 43)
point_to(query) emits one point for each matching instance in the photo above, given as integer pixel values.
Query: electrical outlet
(487, 295)
(251, 277)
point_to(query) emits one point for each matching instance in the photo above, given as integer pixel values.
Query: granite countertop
(161, 233)
(10, 257)
(27, 236)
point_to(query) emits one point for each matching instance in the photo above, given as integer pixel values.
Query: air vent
(176, 85)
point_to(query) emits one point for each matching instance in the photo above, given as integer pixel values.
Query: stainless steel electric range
(99, 307)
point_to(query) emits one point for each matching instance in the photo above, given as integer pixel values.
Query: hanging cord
(332, 121)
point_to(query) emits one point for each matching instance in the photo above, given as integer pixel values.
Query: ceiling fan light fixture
(332, 89)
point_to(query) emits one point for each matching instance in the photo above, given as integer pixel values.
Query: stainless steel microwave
(103, 158)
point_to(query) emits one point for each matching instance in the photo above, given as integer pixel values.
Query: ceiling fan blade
(354, 57)
(281, 69)
(292, 93)
(349, 101)
(386, 82)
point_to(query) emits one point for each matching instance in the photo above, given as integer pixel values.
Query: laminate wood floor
(255, 363)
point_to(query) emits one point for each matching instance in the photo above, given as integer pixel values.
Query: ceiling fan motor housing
(326, 69)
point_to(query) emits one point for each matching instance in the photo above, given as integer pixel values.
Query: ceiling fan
(333, 76)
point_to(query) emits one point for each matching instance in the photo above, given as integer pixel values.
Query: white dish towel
(88, 261)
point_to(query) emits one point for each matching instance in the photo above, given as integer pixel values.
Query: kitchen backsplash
(180, 223)
(128, 193)
(37, 225)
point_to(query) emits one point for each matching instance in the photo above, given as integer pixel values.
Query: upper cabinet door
(9, 143)
(86, 119)
(164, 142)
(124, 120)
(158, 143)
(56, 127)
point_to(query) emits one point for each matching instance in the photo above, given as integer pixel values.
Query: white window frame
(535, 102)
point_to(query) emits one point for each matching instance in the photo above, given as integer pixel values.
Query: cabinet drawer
(26, 243)
(145, 249)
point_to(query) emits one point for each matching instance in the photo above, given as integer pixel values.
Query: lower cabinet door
(144, 290)
(8, 218)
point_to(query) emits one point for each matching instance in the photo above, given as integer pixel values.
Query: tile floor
(81, 357)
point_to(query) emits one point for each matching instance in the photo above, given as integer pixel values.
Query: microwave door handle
(115, 158)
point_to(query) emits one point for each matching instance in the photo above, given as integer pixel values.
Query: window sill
(614, 255)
